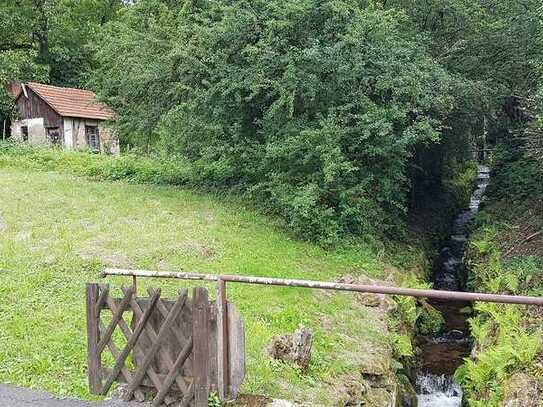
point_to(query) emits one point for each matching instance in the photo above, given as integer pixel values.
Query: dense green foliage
(518, 177)
(307, 107)
(506, 256)
(49, 41)
(507, 338)
(335, 114)
(326, 112)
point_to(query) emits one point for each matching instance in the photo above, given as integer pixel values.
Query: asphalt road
(17, 397)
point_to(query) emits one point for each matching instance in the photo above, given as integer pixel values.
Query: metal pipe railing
(375, 289)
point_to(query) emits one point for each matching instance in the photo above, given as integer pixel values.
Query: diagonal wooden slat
(117, 315)
(178, 333)
(150, 332)
(164, 330)
(120, 360)
(104, 292)
(174, 371)
(124, 371)
(128, 334)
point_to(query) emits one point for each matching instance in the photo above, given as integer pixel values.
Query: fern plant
(214, 400)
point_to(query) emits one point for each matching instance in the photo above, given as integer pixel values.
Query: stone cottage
(64, 117)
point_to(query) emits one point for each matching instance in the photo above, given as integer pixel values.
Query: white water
(438, 391)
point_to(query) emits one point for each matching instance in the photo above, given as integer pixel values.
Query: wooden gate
(182, 347)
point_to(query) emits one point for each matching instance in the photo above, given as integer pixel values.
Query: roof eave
(43, 98)
(75, 116)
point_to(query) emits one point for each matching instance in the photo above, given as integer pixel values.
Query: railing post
(93, 337)
(223, 368)
(200, 337)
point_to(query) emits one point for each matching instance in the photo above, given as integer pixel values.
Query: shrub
(516, 176)
(507, 338)
(312, 109)
(129, 167)
(430, 320)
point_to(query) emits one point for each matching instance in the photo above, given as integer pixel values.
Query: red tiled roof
(70, 102)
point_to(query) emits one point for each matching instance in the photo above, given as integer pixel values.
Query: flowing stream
(442, 355)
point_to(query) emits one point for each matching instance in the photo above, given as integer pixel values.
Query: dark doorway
(6, 128)
(24, 133)
(53, 134)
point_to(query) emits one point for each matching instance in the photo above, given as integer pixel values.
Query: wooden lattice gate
(187, 347)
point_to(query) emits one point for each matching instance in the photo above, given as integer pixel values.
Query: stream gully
(442, 355)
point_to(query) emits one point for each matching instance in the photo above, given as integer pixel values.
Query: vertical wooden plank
(223, 373)
(236, 350)
(200, 335)
(212, 355)
(93, 337)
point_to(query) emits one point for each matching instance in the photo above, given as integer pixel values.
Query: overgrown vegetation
(290, 108)
(160, 170)
(506, 257)
(334, 114)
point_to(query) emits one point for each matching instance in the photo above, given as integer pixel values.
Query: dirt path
(18, 397)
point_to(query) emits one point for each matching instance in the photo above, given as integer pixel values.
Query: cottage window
(24, 132)
(93, 138)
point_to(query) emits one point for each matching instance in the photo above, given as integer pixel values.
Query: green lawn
(59, 231)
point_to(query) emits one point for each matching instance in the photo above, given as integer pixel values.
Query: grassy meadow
(59, 230)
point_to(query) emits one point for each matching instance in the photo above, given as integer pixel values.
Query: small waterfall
(437, 391)
(441, 356)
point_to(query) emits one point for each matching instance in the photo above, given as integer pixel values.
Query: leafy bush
(430, 320)
(507, 338)
(459, 180)
(516, 176)
(505, 345)
(129, 167)
(310, 108)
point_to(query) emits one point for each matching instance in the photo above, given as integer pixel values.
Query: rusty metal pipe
(375, 289)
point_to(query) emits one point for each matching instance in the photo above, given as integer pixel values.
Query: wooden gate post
(93, 338)
(200, 337)
(222, 342)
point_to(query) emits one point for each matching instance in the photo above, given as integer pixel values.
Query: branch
(10, 47)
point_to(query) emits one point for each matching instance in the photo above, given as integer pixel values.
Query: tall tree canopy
(50, 40)
(311, 106)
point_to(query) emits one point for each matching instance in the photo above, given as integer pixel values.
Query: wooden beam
(223, 372)
(200, 335)
(94, 364)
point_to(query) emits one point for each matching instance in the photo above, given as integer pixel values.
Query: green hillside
(59, 231)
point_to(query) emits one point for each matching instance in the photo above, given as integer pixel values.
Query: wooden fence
(194, 347)
(186, 347)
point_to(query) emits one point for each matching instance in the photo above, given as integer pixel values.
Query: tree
(311, 107)
(49, 41)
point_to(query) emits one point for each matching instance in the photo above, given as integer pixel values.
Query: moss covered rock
(522, 390)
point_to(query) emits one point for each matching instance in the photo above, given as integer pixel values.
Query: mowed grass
(59, 231)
